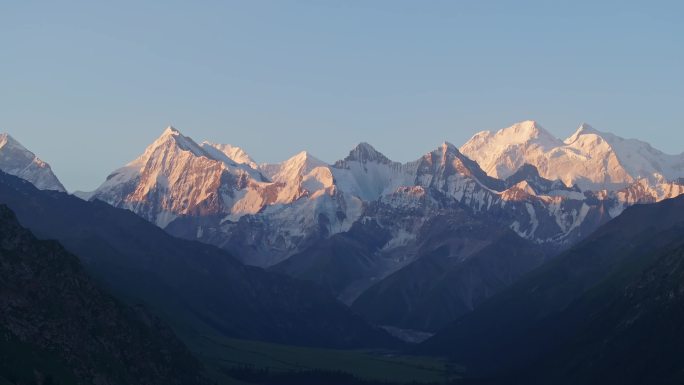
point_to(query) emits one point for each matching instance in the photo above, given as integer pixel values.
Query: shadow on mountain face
(199, 289)
(609, 310)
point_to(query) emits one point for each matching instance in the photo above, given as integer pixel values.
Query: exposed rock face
(529, 175)
(269, 212)
(75, 332)
(175, 177)
(199, 289)
(200, 192)
(18, 161)
(360, 220)
(460, 261)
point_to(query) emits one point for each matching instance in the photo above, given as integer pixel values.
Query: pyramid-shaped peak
(301, 155)
(446, 150)
(364, 152)
(8, 143)
(583, 129)
(447, 159)
(522, 186)
(525, 172)
(173, 137)
(17, 160)
(305, 157)
(364, 146)
(586, 128)
(171, 130)
(527, 169)
(448, 147)
(303, 161)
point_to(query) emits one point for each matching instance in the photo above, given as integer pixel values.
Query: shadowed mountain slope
(57, 326)
(607, 310)
(200, 289)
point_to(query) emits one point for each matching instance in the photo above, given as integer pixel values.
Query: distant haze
(87, 85)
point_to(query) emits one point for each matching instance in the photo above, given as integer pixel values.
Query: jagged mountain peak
(637, 159)
(296, 166)
(526, 171)
(176, 176)
(519, 191)
(228, 153)
(589, 158)
(7, 139)
(17, 160)
(442, 154)
(173, 137)
(448, 147)
(529, 174)
(304, 197)
(586, 127)
(305, 160)
(446, 151)
(364, 152)
(583, 129)
(446, 160)
(171, 130)
(304, 156)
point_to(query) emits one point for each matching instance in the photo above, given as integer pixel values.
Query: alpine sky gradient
(361, 253)
(87, 86)
(358, 192)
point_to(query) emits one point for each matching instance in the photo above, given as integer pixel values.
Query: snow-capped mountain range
(591, 159)
(16, 160)
(545, 189)
(364, 220)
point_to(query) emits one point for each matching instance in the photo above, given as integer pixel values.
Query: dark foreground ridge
(58, 327)
(609, 310)
(199, 289)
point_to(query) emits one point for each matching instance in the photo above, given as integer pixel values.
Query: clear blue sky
(87, 85)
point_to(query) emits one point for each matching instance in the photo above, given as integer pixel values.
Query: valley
(293, 272)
